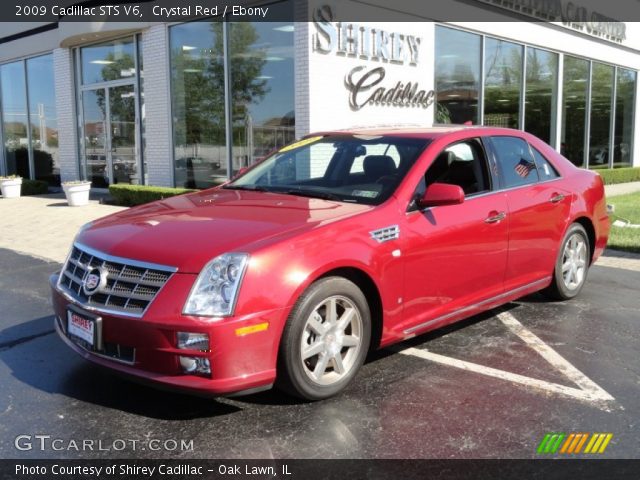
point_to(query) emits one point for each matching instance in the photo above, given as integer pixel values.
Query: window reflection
(197, 92)
(575, 84)
(540, 98)
(108, 61)
(457, 76)
(503, 78)
(625, 96)
(262, 73)
(44, 125)
(601, 92)
(14, 119)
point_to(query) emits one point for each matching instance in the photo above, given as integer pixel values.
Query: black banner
(592, 14)
(319, 469)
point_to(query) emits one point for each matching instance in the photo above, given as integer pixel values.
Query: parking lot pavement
(403, 404)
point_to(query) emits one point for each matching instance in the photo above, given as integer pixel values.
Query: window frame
(533, 151)
(489, 164)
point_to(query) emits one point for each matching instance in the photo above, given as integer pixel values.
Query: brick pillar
(157, 104)
(66, 112)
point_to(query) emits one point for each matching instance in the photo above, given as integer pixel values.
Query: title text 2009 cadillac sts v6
(334, 245)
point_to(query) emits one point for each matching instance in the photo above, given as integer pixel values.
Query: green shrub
(620, 175)
(130, 195)
(34, 187)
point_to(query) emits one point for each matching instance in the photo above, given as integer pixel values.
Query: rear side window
(516, 164)
(545, 169)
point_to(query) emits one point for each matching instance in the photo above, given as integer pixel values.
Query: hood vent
(385, 234)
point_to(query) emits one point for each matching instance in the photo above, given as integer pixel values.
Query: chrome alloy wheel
(574, 261)
(331, 340)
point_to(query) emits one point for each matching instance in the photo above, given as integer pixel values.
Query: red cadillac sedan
(332, 246)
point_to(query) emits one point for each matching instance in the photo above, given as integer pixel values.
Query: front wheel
(572, 265)
(325, 340)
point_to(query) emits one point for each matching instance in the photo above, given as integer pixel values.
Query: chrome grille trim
(386, 234)
(130, 288)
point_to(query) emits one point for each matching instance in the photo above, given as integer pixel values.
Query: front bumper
(145, 348)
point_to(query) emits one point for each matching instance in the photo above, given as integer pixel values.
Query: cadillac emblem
(94, 281)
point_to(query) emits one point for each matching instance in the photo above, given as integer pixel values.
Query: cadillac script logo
(95, 279)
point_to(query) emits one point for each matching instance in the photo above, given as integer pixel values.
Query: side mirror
(438, 194)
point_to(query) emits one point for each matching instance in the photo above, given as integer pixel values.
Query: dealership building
(188, 103)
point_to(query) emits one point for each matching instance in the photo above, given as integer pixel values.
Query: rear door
(455, 256)
(538, 210)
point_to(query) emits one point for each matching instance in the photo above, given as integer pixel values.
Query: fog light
(196, 365)
(193, 341)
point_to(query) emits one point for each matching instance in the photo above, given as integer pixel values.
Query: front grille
(130, 286)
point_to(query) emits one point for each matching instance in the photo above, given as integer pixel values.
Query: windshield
(348, 168)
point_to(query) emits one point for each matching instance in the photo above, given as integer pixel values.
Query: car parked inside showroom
(333, 246)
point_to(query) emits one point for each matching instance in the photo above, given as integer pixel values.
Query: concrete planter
(77, 193)
(11, 187)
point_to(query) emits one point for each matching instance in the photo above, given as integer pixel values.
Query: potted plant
(77, 192)
(11, 186)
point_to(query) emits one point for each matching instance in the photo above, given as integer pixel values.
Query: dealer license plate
(81, 329)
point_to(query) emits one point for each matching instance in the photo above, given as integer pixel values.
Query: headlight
(215, 291)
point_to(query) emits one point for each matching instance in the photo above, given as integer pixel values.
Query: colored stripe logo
(573, 443)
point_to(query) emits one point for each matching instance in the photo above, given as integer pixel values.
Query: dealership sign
(571, 15)
(364, 83)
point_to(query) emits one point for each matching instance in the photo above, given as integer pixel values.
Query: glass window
(262, 88)
(601, 93)
(540, 97)
(320, 168)
(197, 94)
(108, 61)
(143, 116)
(14, 119)
(390, 150)
(44, 125)
(457, 76)
(575, 85)
(516, 165)
(625, 101)
(545, 169)
(502, 83)
(463, 164)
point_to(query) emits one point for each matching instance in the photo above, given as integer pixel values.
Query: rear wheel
(325, 340)
(572, 265)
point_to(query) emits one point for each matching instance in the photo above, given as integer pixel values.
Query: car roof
(422, 132)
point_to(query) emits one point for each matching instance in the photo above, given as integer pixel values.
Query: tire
(572, 265)
(320, 353)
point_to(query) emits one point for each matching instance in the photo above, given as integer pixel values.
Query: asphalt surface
(400, 406)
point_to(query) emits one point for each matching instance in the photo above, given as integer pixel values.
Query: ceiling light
(187, 48)
(102, 62)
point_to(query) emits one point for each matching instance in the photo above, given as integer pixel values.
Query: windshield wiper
(312, 194)
(251, 188)
(286, 191)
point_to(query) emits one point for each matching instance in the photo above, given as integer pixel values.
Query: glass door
(110, 136)
(122, 134)
(94, 126)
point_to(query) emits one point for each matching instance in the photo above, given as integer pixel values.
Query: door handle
(558, 197)
(495, 218)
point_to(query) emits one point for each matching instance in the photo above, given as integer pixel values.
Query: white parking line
(588, 391)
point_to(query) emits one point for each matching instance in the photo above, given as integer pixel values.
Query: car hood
(189, 230)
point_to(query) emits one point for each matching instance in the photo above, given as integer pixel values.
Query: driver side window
(463, 164)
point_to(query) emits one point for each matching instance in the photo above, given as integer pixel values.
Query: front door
(110, 138)
(456, 255)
